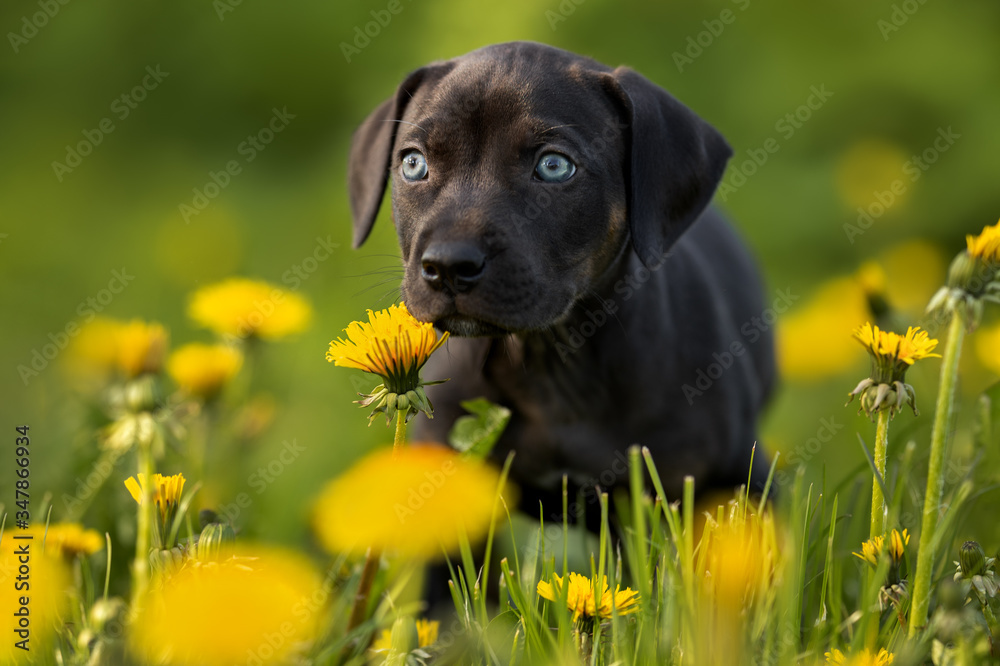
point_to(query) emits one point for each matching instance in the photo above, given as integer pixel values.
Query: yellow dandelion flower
(50, 596)
(985, 246)
(203, 370)
(897, 544)
(864, 658)
(258, 607)
(874, 547)
(895, 348)
(891, 355)
(246, 308)
(427, 632)
(416, 503)
(581, 600)
(870, 550)
(141, 347)
(166, 492)
(392, 344)
(68, 540)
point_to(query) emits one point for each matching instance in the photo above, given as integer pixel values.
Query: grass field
(138, 172)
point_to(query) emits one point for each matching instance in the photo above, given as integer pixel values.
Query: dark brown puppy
(553, 212)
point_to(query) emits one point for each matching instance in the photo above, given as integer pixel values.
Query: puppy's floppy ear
(675, 163)
(371, 150)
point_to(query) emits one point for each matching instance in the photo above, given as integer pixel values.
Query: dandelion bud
(141, 394)
(972, 558)
(108, 615)
(962, 271)
(216, 542)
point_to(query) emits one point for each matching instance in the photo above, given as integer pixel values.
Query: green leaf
(475, 435)
(502, 636)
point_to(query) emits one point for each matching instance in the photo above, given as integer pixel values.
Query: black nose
(456, 265)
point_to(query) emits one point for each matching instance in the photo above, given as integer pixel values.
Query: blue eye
(414, 165)
(554, 168)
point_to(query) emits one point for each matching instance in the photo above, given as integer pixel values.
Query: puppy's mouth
(469, 327)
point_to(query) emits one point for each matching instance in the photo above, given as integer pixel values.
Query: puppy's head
(520, 174)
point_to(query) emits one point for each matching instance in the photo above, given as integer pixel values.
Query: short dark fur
(551, 256)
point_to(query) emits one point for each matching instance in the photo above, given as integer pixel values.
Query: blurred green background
(901, 74)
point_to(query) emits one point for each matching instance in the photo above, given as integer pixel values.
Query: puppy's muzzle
(455, 266)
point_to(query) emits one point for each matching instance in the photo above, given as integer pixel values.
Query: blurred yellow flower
(49, 602)
(741, 556)
(392, 344)
(985, 246)
(581, 600)
(863, 658)
(416, 503)
(427, 635)
(94, 350)
(142, 347)
(914, 270)
(203, 370)
(822, 322)
(245, 308)
(870, 176)
(258, 607)
(105, 345)
(67, 539)
(987, 345)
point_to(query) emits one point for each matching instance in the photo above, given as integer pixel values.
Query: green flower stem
(373, 556)
(878, 509)
(400, 439)
(935, 478)
(140, 566)
(878, 500)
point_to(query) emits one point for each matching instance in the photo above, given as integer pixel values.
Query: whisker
(373, 286)
(555, 127)
(405, 122)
